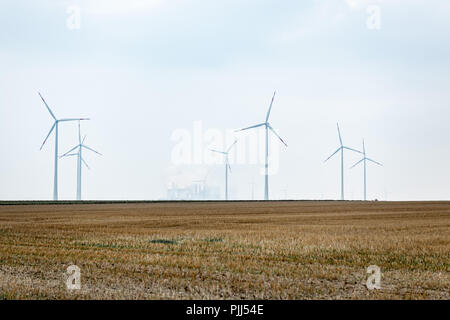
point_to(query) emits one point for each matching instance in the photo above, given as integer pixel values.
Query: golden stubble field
(235, 250)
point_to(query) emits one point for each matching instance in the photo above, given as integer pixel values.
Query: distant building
(196, 191)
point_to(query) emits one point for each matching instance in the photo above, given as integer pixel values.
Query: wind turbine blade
(74, 119)
(51, 130)
(352, 149)
(85, 164)
(228, 150)
(374, 162)
(84, 138)
(255, 126)
(357, 163)
(229, 167)
(48, 108)
(364, 147)
(275, 133)
(91, 149)
(217, 151)
(339, 133)
(333, 154)
(73, 149)
(270, 107)
(69, 155)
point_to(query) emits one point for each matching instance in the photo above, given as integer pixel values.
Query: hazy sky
(144, 71)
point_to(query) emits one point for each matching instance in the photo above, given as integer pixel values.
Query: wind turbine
(268, 127)
(227, 165)
(341, 149)
(55, 127)
(80, 159)
(365, 159)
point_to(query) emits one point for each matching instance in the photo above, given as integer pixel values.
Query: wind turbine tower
(80, 159)
(227, 165)
(56, 128)
(267, 127)
(341, 149)
(364, 160)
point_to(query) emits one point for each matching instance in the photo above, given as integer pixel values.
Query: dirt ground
(218, 250)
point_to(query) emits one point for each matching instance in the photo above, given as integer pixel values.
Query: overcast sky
(144, 71)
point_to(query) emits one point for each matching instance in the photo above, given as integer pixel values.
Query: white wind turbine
(268, 127)
(341, 149)
(227, 165)
(55, 127)
(365, 159)
(80, 159)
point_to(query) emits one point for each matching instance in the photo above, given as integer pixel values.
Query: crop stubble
(218, 250)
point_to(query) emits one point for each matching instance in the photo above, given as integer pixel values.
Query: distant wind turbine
(267, 127)
(80, 159)
(227, 165)
(55, 127)
(341, 149)
(365, 159)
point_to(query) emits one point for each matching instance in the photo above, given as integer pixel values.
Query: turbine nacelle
(268, 127)
(225, 153)
(55, 124)
(80, 146)
(365, 158)
(342, 147)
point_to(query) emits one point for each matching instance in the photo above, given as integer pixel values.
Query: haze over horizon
(144, 70)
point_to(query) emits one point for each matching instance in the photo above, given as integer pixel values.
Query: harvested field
(234, 250)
